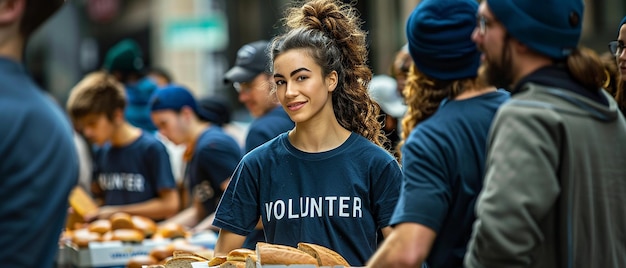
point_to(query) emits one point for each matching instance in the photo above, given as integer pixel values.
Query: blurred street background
(196, 40)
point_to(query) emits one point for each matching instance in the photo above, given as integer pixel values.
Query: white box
(112, 253)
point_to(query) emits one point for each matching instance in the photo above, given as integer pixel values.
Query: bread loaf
(121, 220)
(81, 202)
(100, 226)
(127, 235)
(279, 254)
(144, 224)
(170, 230)
(239, 254)
(233, 264)
(215, 261)
(323, 255)
(140, 261)
(82, 237)
(162, 252)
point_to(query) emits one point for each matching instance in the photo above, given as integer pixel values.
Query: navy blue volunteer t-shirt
(133, 173)
(268, 127)
(338, 199)
(215, 157)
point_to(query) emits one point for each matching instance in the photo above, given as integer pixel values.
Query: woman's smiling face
(301, 87)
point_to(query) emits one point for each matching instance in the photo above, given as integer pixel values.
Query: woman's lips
(294, 106)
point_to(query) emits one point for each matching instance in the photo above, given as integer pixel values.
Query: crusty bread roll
(121, 220)
(233, 264)
(279, 254)
(81, 202)
(170, 230)
(100, 226)
(217, 260)
(82, 237)
(140, 261)
(162, 252)
(324, 255)
(144, 224)
(182, 259)
(127, 235)
(239, 254)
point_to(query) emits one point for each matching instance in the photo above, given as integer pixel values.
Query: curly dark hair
(423, 95)
(330, 32)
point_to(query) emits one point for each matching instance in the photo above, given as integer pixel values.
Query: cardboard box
(111, 253)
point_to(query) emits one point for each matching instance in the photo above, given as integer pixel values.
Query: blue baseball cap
(175, 97)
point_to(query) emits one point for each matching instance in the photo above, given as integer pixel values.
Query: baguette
(239, 254)
(323, 255)
(233, 264)
(215, 261)
(279, 254)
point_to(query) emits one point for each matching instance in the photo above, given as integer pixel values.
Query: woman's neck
(318, 135)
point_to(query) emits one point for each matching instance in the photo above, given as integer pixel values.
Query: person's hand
(103, 212)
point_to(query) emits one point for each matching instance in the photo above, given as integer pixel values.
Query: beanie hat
(620, 25)
(175, 97)
(252, 59)
(439, 38)
(124, 56)
(551, 28)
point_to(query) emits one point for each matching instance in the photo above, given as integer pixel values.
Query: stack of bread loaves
(272, 254)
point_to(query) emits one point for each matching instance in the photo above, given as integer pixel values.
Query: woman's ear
(331, 81)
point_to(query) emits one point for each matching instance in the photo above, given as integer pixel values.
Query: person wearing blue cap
(444, 135)
(554, 190)
(617, 49)
(251, 78)
(39, 164)
(211, 154)
(132, 171)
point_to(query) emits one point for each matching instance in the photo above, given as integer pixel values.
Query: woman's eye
(300, 78)
(280, 82)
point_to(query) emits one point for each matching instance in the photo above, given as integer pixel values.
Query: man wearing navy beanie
(554, 188)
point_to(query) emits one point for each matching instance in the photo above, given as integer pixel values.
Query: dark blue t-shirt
(443, 165)
(215, 157)
(133, 173)
(38, 168)
(268, 127)
(338, 199)
(262, 130)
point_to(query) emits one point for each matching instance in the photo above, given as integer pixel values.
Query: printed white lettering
(356, 208)
(316, 207)
(279, 215)
(304, 208)
(343, 206)
(331, 206)
(291, 214)
(129, 182)
(323, 206)
(268, 210)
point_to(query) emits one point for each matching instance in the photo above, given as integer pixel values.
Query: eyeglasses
(483, 23)
(242, 87)
(616, 47)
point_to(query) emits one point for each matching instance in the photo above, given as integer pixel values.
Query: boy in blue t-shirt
(132, 172)
(211, 154)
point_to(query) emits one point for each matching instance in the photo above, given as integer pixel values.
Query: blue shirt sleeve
(426, 192)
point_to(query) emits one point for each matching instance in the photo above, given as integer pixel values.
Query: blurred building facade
(196, 40)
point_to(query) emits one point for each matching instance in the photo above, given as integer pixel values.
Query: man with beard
(555, 182)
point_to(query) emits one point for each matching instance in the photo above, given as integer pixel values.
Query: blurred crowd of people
(495, 140)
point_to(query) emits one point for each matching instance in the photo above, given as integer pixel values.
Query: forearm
(407, 246)
(161, 207)
(227, 241)
(186, 218)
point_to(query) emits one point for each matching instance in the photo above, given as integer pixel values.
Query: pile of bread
(272, 254)
(123, 227)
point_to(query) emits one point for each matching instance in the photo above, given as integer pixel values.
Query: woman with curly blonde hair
(328, 181)
(450, 110)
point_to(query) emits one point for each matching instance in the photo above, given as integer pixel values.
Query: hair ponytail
(586, 68)
(330, 31)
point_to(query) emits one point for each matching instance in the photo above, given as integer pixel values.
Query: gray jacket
(555, 185)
